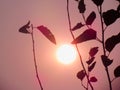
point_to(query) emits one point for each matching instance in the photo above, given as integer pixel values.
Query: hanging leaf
(90, 68)
(78, 26)
(106, 61)
(90, 60)
(24, 28)
(81, 6)
(93, 51)
(89, 34)
(93, 79)
(112, 42)
(117, 72)
(81, 75)
(110, 16)
(91, 18)
(98, 2)
(47, 33)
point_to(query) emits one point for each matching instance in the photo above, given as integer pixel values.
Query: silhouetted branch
(35, 63)
(69, 21)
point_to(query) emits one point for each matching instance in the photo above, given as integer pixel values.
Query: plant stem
(103, 45)
(77, 46)
(35, 63)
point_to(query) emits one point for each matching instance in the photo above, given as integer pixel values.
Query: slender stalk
(103, 45)
(35, 63)
(76, 45)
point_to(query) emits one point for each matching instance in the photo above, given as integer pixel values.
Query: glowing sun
(66, 54)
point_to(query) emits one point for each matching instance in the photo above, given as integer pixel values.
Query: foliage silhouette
(112, 42)
(106, 18)
(89, 34)
(117, 72)
(78, 26)
(28, 28)
(93, 79)
(47, 33)
(90, 18)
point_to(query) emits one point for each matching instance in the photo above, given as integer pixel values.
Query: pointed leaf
(90, 18)
(90, 60)
(98, 2)
(81, 6)
(89, 34)
(93, 51)
(24, 28)
(81, 75)
(117, 72)
(78, 26)
(93, 79)
(106, 61)
(47, 33)
(112, 42)
(90, 68)
(110, 16)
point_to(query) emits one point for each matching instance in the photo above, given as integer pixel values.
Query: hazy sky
(16, 60)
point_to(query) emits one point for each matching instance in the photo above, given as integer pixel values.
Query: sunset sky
(16, 58)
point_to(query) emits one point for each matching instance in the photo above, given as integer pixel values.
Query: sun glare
(66, 54)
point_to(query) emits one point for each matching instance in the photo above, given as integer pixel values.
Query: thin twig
(76, 45)
(104, 51)
(35, 63)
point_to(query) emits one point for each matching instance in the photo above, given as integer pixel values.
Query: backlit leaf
(93, 79)
(90, 18)
(110, 16)
(81, 6)
(112, 42)
(90, 60)
(78, 26)
(93, 51)
(90, 68)
(89, 34)
(98, 2)
(106, 61)
(47, 33)
(81, 75)
(117, 72)
(24, 28)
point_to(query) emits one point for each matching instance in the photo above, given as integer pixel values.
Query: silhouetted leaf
(110, 16)
(81, 6)
(47, 33)
(81, 75)
(112, 42)
(24, 28)
(90, 18)
(78, 26)
(89, 34)
(117, 72)
(93, 79)
(106, 61)
(93, 51)
(98, 2)
(90, 68)
(90, 60)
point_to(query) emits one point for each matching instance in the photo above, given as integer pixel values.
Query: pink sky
(16, 60)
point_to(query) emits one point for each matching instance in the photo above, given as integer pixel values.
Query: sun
(66, 54)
